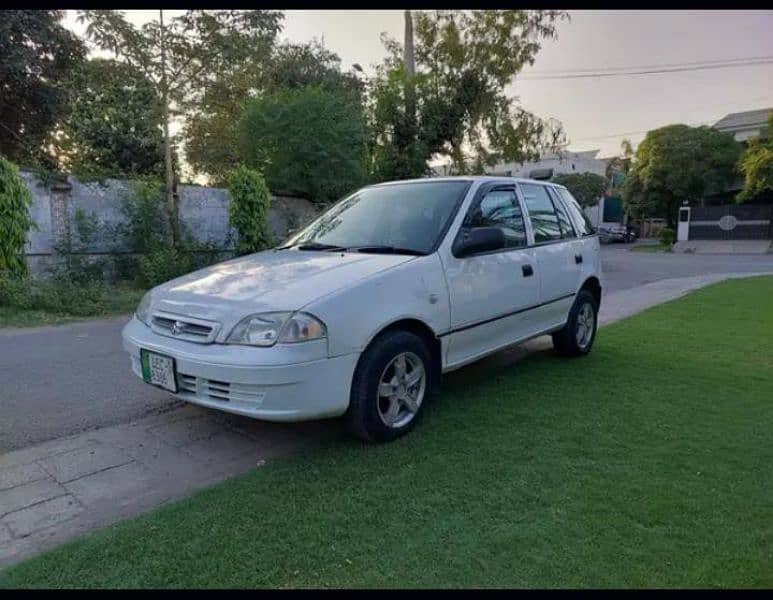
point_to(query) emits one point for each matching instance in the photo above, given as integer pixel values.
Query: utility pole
(411, 127)
(410, 61)
(169, 188)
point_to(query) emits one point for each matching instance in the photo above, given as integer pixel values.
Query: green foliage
(146, 220)
(204, 53)
(15, 221)
(587, 188)
(211, 130)
(163, 263)
(36, 53)
(310, 142)
(38, 302)
(455, 106)
(113, 127)
(757, 165)
(145, 232)
(248, 211)
(667, 236)
(678, 163)
(56, 296)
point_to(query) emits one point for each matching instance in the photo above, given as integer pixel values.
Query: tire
(565, 341)
(371, 415)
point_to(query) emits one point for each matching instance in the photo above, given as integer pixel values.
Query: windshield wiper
(314, 246)
(376, 249)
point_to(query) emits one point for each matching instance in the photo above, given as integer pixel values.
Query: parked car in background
(360, 313)
(617, 232)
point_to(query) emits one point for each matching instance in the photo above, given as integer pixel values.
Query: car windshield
(401, 217)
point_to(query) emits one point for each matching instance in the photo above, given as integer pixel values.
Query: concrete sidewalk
(56, 491)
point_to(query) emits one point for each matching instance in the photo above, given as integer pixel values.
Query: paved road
(624, 269)
(62, 380)
(59, 381)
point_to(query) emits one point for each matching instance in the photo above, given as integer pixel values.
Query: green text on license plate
(158, 369)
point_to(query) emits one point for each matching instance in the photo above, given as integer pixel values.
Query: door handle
(528, 271)
(578, 258)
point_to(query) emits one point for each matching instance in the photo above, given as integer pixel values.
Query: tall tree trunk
(168, 167)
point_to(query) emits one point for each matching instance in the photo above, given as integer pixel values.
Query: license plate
(158, 369)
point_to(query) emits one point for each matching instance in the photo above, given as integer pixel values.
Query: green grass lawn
(647, 463)
(652, 248)
(117, 300)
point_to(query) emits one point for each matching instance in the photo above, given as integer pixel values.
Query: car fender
(354, 315)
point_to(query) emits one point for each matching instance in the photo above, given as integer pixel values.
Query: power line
(645, 71)
(626, 133)
(660, 66)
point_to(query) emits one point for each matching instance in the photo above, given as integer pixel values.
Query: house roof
(742, 120)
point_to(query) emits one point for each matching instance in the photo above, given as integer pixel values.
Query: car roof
(471, 178)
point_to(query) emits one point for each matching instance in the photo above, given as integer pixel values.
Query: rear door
(588, 241)
(554, 249)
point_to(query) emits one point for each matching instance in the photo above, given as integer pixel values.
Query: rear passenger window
(567, 230)
(542, 213)
(500, 208)
(580, 218)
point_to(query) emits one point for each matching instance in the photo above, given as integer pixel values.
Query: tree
(463, 62)
(211, 132)
(113, 125)
(36, 53)
(15, 200)
(183, 56)
(757, 165)
(678, 163)
(587, 188)
(310, 141)
(248, 211)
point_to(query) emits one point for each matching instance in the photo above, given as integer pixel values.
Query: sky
(596, 112)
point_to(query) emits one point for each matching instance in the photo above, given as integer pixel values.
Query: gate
(731, 222)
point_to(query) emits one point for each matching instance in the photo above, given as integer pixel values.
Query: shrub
(667, 236)
(55, 296)
(163, 263)
(15, 200)
(146, 216)
(248, 212)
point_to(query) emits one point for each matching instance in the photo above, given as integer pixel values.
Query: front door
(491, 294)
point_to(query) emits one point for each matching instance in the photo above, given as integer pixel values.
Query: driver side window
(499, 208)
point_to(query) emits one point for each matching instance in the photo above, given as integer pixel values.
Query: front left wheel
(389, 388)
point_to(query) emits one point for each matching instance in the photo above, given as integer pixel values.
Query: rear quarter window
(578, 214)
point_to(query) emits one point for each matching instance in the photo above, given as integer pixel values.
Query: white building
(554, 164)
(549, 165)
(744, 125)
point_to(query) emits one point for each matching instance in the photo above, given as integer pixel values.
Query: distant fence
(202, 212)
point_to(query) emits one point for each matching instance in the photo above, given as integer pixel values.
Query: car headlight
(143, 309)
(266, 329)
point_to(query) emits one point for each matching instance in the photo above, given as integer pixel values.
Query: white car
(361, 312)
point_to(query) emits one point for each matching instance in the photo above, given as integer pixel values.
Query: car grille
(184, 328)
(221, 391)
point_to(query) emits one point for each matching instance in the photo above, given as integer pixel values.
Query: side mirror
(477, 240)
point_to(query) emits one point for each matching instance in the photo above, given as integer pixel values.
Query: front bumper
(281, 383)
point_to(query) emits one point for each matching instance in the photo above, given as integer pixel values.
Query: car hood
(266, 281)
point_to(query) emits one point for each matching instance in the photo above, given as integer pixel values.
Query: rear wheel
(389, 387)
(577, 336)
